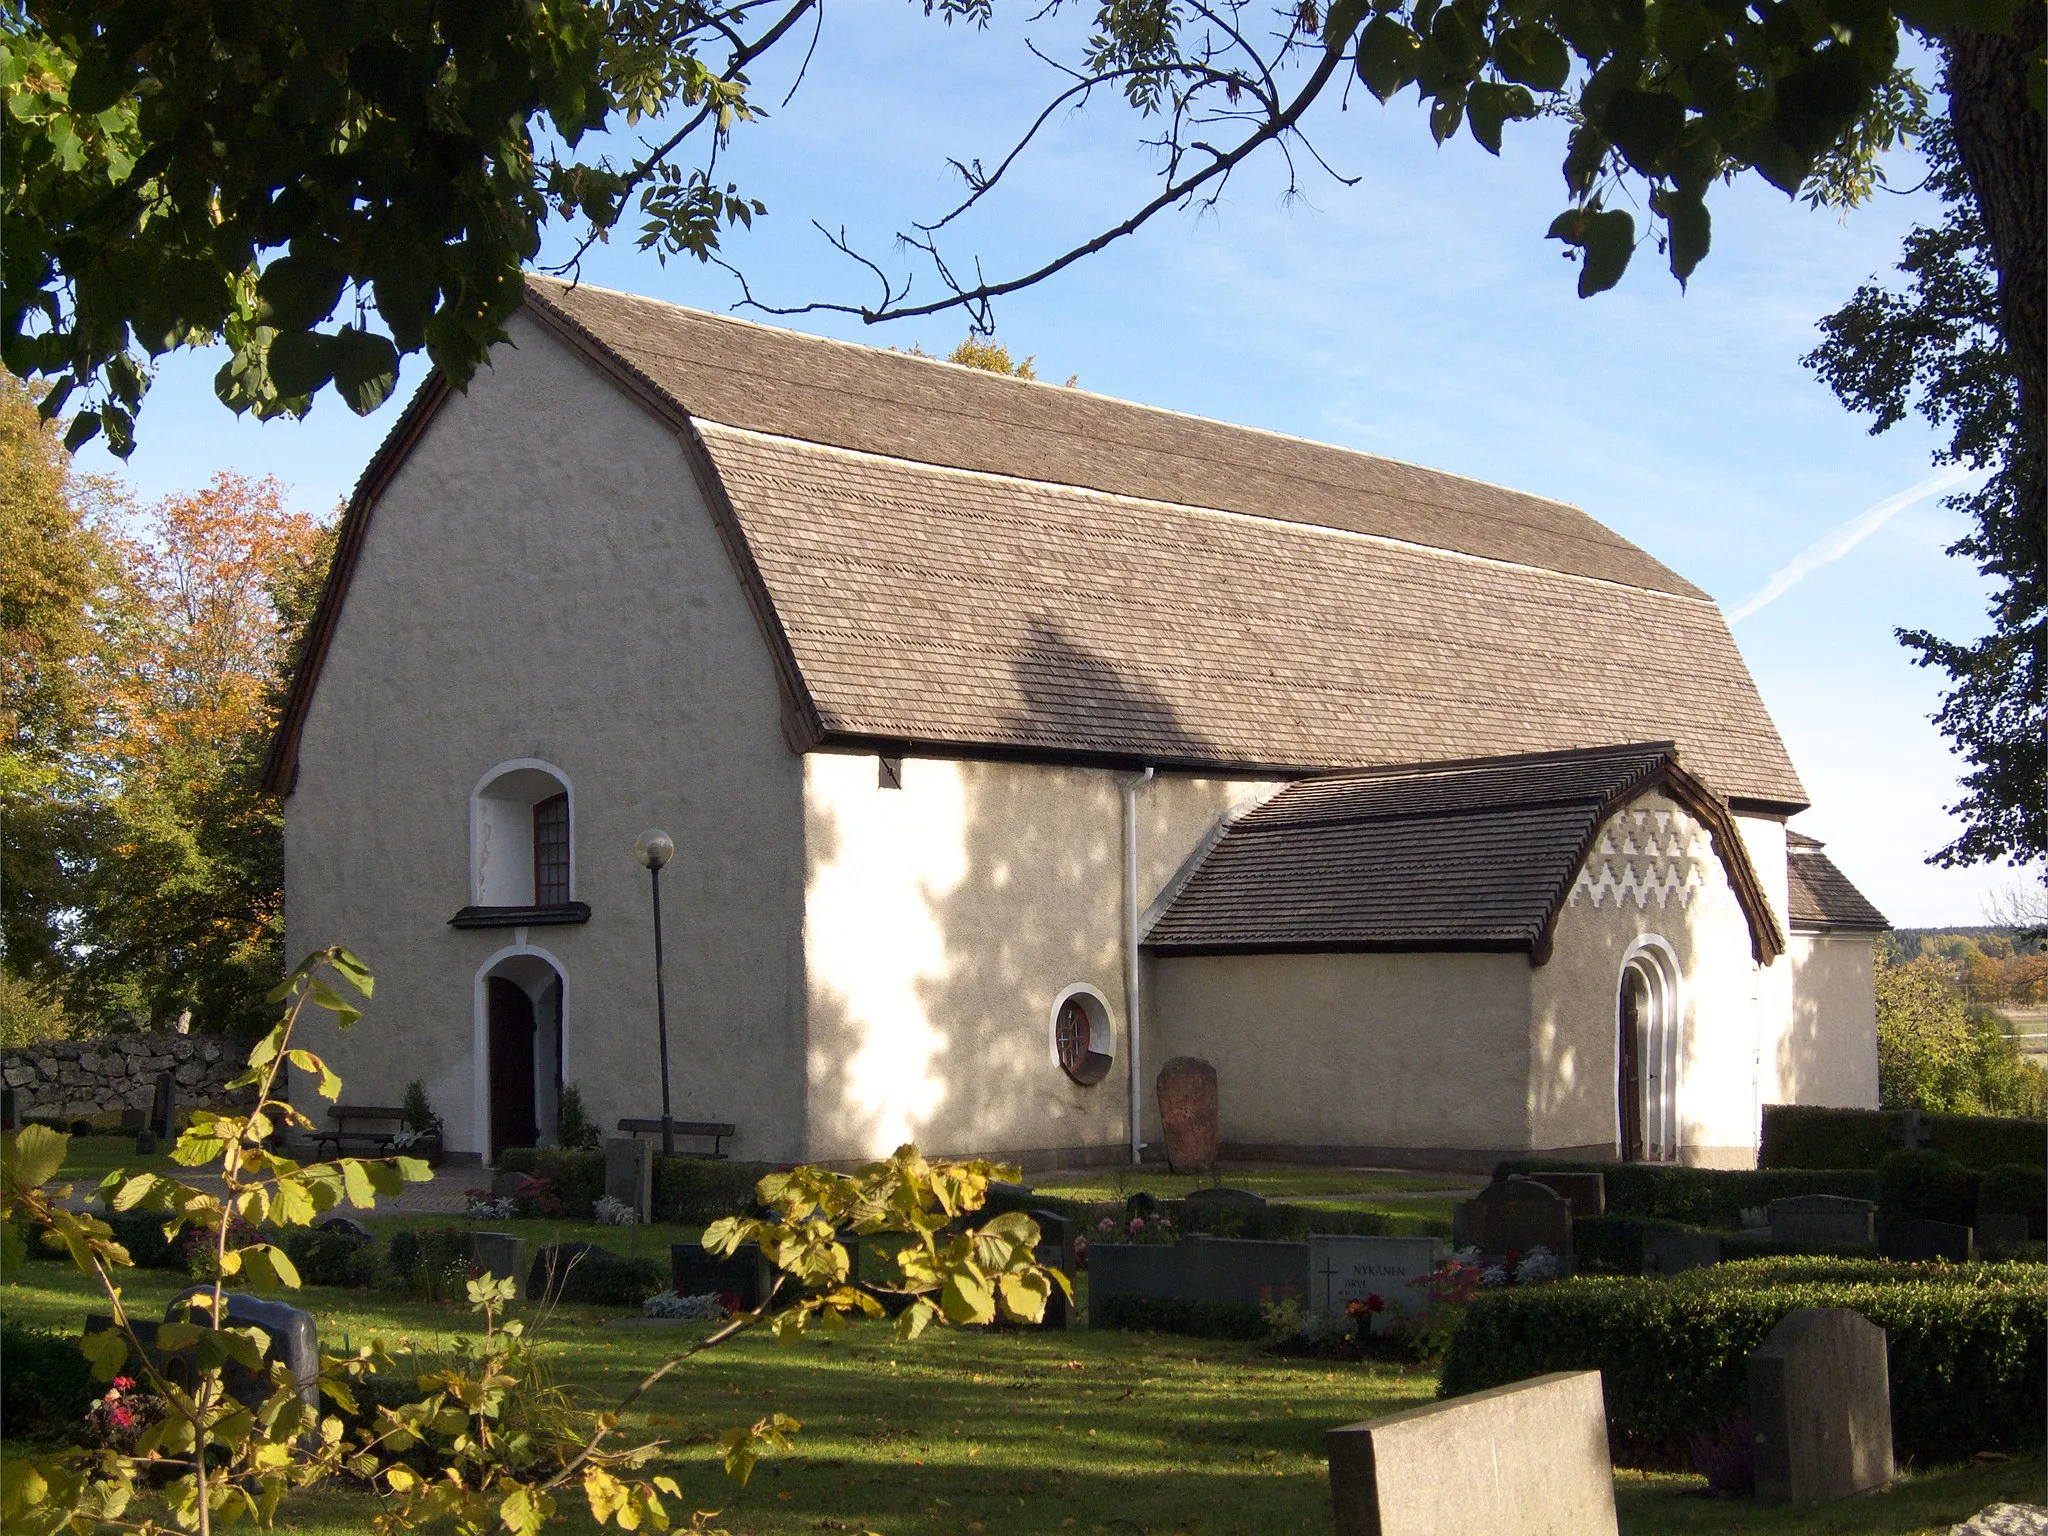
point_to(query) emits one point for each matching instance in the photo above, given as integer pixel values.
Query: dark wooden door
(512, 1107)
(1629, 1087)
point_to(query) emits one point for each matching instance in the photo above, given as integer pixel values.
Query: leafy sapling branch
(505, 1444)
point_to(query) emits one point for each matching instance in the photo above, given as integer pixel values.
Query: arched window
(522, 839)
(1081, 1035)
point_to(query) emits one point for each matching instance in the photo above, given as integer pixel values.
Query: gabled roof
(947, 559)
(1445, 856)
(1822, 900)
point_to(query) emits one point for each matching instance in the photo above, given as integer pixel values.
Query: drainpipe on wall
(1132, 1008)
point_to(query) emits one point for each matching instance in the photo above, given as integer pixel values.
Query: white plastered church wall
(1652, 879)
(1829, 1055)
(541, 579)
(944, 918)
(1319, 1053)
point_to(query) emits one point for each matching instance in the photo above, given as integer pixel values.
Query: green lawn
(1018, 1434)
(88, 1159)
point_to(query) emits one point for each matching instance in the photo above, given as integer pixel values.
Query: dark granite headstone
(163, 1108)
(551, 1267)
(498, 1253)
(1189, 1115)
(1920, 1242)
(294, 1336)
(10, 1114)
(1141, 1204)
(1820, 1407)
(342, 1224)
(1823, 1221)
(81, 1127)
(1224, 1196)
(1515, 1215)
(1056, 1251)
(133, 1120)
(744, 1279)
(1673, 1253)
(1587, 1192)
(2003, 1230)
(506, 1183)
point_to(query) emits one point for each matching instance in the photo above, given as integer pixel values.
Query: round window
(1081, 1038)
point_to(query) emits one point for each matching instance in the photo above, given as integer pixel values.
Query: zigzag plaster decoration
(1671, 847)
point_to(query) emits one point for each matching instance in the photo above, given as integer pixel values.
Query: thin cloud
(1843, 537)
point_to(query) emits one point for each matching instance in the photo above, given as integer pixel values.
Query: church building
(1014, 740)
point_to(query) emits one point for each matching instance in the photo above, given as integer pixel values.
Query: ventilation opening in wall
(1081, 1036)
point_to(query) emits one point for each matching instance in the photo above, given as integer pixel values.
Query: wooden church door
(1629, 1088)
(513, 1120)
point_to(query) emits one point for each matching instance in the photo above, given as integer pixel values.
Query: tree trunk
(2000, 137)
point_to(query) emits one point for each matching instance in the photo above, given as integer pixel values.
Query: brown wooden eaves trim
(281, 767)
(1188, 950)
(802, 726)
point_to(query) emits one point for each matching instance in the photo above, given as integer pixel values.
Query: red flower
(1374, 1304)
(124, 1383)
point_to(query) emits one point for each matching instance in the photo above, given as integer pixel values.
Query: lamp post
(654, 849)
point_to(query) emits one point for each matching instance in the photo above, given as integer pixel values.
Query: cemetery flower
(610, 1211)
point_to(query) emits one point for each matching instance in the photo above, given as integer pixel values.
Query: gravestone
(1515, 1215)
(506, 1184)
(1529, 1459)
(629, 1173)
(1188, 1113)
(10, 1113)
(1820, 1407)
(1223, 1196)
(133, 1120)
(743, 1280)
(1146, 1271)
(1141, 1204)
(498, 1253)
(1823, 1221)
(1673, 1253)
(551, 1267)
(2003, 1230)
(163, 1108)
(1240, 1272)
(1911, 1133)
(1342, 1270)
(294, 1336)
(1056, 1251)
(1915, 1241)
(1587, 1192)
(344, 1225)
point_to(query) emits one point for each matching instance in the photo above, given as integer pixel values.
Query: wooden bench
(345, 1139)
(716, 1131)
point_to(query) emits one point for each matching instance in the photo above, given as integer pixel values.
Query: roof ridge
(1118, 400)
(1068, 488)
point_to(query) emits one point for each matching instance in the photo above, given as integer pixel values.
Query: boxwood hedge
(1701, 1197)
(686, 1189)
(1966, 1343)
(1809, 1136)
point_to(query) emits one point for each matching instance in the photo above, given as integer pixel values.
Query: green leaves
(1533, 56)
(744, 1445)
(1387, 56)
(1605, 240)
(108, 1352)
(365, 369)
(1645, 126)
(31, 1157)
(1492, 104)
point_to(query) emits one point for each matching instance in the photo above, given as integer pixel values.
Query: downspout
(1133, 1009)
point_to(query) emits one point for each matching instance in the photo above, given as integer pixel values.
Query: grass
(88, 1159)
(1017, 1434)
(1269, 1181)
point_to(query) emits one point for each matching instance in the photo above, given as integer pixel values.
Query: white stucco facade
(865, 951)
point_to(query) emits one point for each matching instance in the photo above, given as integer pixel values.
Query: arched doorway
(1647, 1057)
(520, 1038)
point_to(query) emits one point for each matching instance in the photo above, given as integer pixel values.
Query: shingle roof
(945, 558)
(1444, 856)
(1821, 898)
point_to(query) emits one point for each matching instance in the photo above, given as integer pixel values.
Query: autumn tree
(58, 570)
(1935, 1053)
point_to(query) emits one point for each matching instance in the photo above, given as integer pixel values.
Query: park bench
(344, 1137)
(715, 1131)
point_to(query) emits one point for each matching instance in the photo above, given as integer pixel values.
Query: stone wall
(71, 1079)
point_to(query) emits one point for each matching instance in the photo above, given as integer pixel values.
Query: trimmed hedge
(142, 1234)
(686, 1189)
(606, 1279)
(1701, 1197)
(1927, 1186)
(1203, 1319)
(1271, 1223)
(46, 1385)
(1966, 1344)
(332, 1258)
(1809, 1136)
(2014, 1189)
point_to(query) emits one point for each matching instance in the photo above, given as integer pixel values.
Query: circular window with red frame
(1081, 1037)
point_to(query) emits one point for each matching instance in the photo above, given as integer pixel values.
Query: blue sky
(1418, 314)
